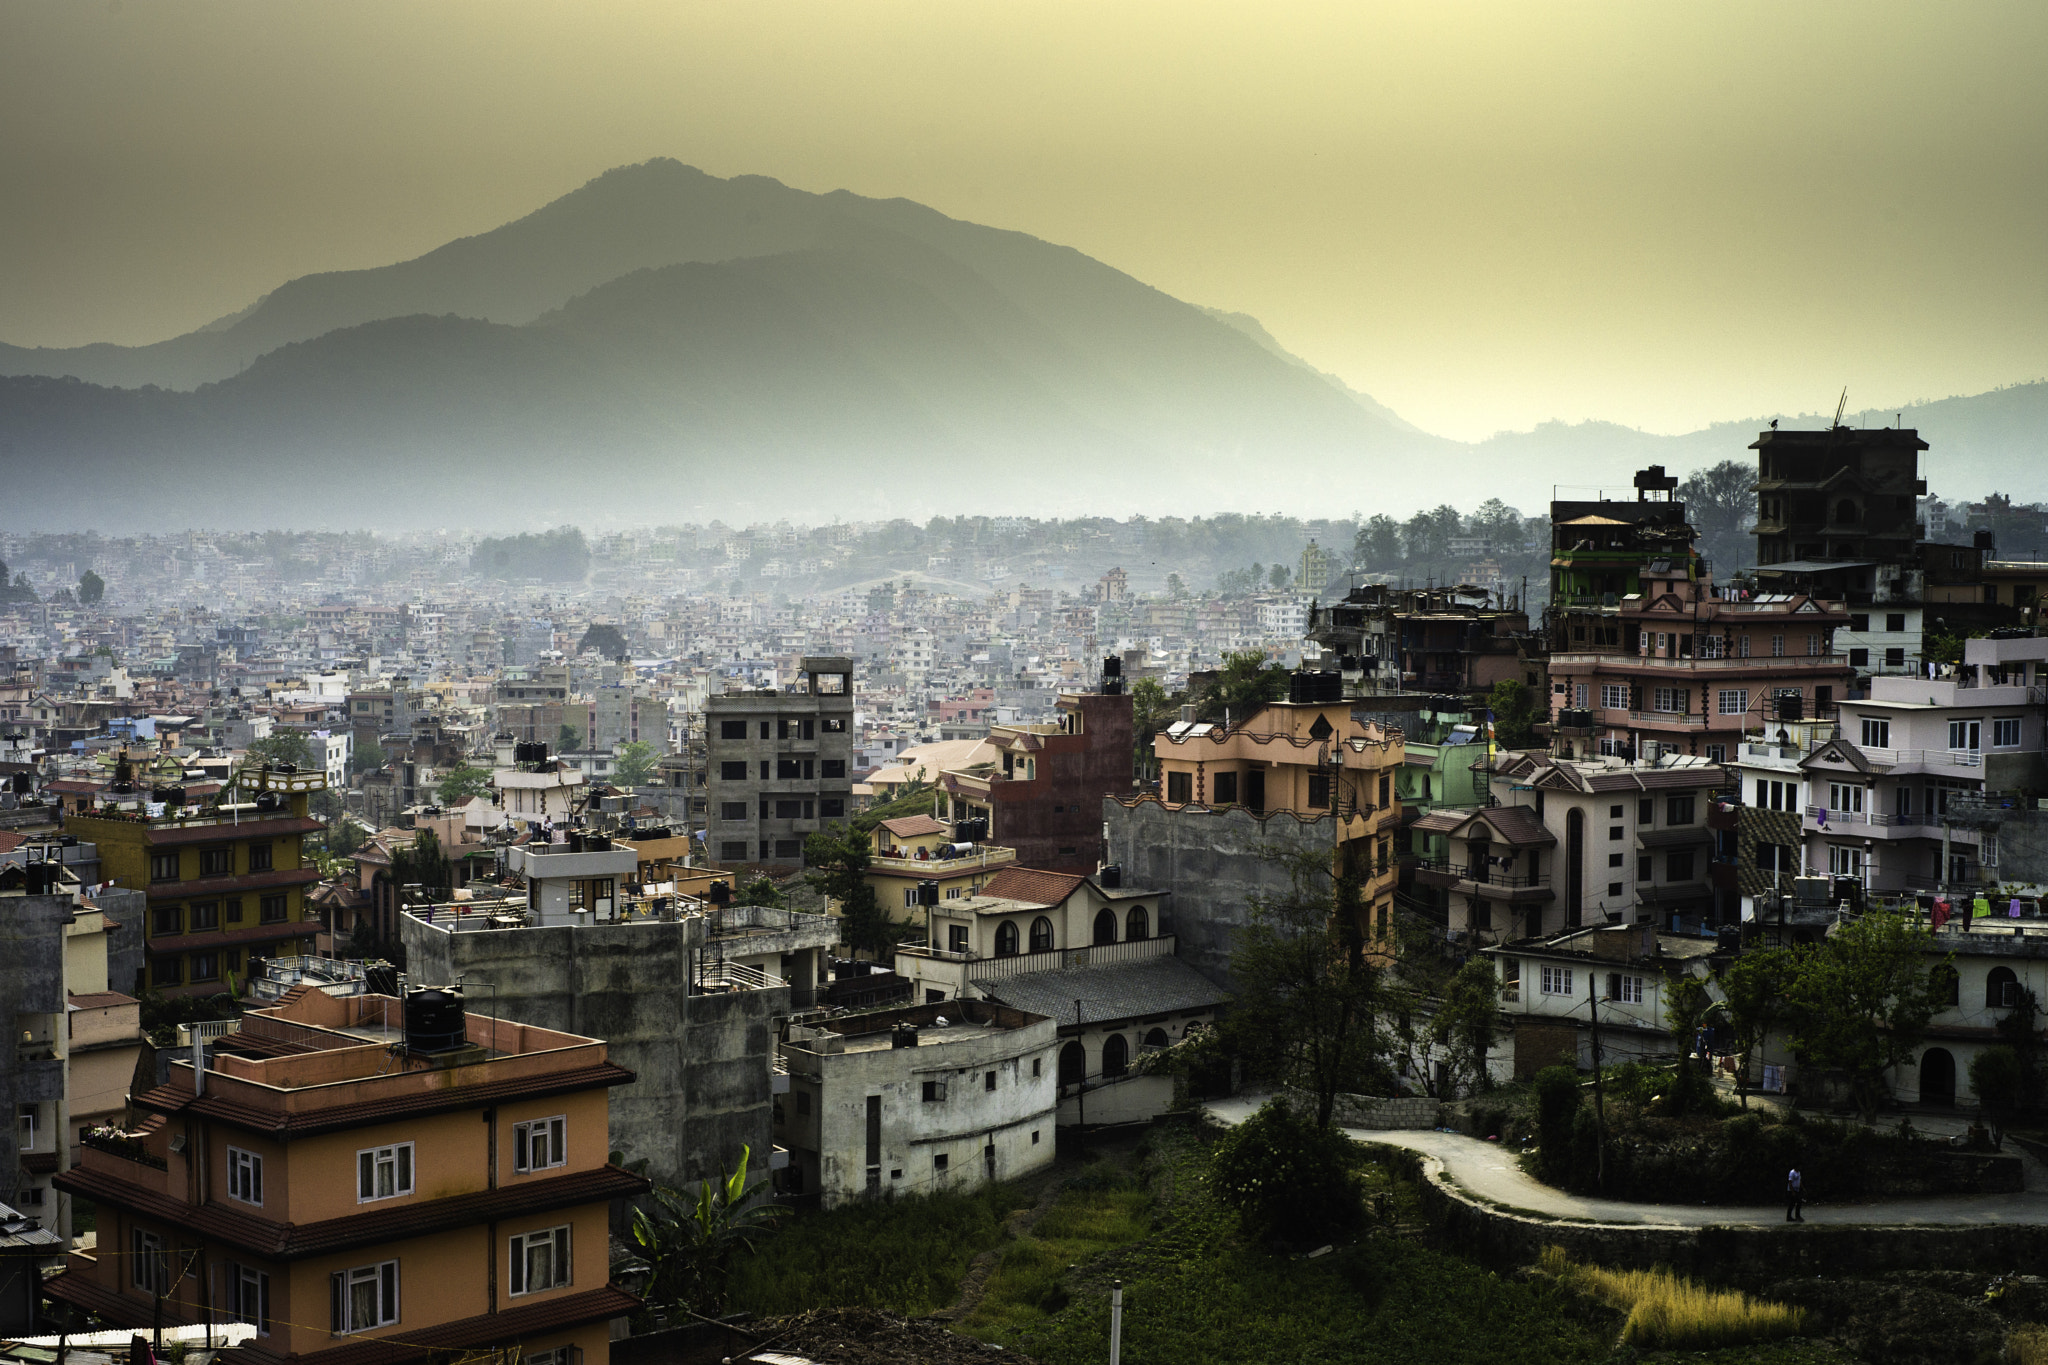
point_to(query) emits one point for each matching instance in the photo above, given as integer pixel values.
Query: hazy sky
(1486, 215)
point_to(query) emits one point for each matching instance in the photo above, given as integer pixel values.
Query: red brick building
(1042, 795)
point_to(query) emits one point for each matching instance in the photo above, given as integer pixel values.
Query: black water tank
(927, 893)
(434, 1019)
(903, 1035)
(1111, 878)
(719, 893)
(1112, 666)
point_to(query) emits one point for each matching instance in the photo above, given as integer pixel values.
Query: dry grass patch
(1668, 1312)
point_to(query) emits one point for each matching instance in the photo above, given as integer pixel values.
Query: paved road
(1489, 1171)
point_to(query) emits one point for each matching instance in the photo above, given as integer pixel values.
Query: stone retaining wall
(1749, 1257)
(1374, 1111)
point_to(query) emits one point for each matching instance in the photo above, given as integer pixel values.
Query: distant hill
(661, 344)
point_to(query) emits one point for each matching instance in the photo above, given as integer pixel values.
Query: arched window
(1073, 1064)
(1845, 513)
(1937, 1076)
(1944, 982)
(1137, 924)
(1006, 938)
(1105, 925)
(1116, 1055)
(1156, 1038)
(2001, 989)
(1041, 935)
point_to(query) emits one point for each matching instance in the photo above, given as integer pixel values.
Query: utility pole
(1081, 1081)
(1599, 1093)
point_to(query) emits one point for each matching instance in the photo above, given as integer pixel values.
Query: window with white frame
(1614, 696)
(1629, 990)
(383, 1172)
(540, 1143)
(1877, 734)
(1813, 646)
(2005, 732)
(1846, 797)
(1670, 699)
(540, 1260)
(363, 1298)
(1777, 646)
(1710, 646)
(25, 1116)
(1580, 692)
(249, 1296)
(1844, 861)
(1742, 645)
(245, 1176)
(1965, 736)
(1556, 981)
(149, 1264)
(1732, 701)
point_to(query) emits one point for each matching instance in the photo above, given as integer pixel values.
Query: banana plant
(687, 1244)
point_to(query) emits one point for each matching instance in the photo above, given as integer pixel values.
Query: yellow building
(226, 881)
(1310, 760)
(915, 849)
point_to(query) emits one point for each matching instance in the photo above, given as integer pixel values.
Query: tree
(344, 836)
(635, 764)
(1287, 1177)
(1721, 506)
(837, 867)
(1277, 579)
(24, 589)
(2000, 1082)
(687, 1246)
(460, 786)
(1513, 707)
(1377, 547)
(606, 640)
(568, 739)
(1152, 710)
(1175, 588)
(368, 758)
(1753, 989)
(1466, 1024)
(91, 588)
(1241, 686)
(422, 863)
(1686, 1004)
(284, 746)
(1305, 1013)
(1862, 999)
(1557, 1111)
(761, 891)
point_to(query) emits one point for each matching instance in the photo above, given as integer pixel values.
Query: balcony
(1954, 760)
(984, 856)
(1668, 720)
(1877, 825)
(1482, 879)
(1052, 960)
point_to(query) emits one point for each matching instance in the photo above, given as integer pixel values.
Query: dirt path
(1018, 1224)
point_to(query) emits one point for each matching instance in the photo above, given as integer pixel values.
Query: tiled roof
(1124, 990)
(1442, 821)
(96, 1000)
(1518, 825)
(911, 826)
(293, 1241)
(1032, 884)
(175, 1098)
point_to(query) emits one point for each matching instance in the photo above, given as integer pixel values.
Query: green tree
(1287, 1176)
(1514, 713)
(1277, 578)
(605, 639)
(635, 764)
(1686, 1006)
(686, 1247)
(837, 860)
(761, 891)
(1377, 547)
(1753, 1001)
(422, 863)
(1999, 1079)
(1721, 505)
(91, 588)
(460, 786)
(1152, 710)
(284, 746)
(1241, 686)
(568, 740)
(1557, 1112)
(1862, 999)
(1305, 1013)
(23, 589)
(1467, 1023)
(1175, 588)
(344, 836)
(368, 757)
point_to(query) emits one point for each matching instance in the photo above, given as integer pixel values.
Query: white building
(1616, 978)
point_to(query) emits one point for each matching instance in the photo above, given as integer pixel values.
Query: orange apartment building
(363, 1194)
(226, 878)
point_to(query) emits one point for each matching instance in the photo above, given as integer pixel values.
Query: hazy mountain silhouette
(662, 343)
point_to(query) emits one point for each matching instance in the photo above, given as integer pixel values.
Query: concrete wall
(1212, 863)
(2023, 846)
(32, 1002)
(702, 1061)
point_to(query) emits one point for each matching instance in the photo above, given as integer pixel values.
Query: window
(956, 938)
(1041, 935)
(540, 1260)
(1136, 924)
(833, 725)
(1844, 861)
(1742, 646)
(1006, 938)
(1180, 788)
(1613, 889)
(789, 848)
(1678, 810)
(934, 1092)
(789, 770)
(1678, 865)
(733, 851)
(733, 770)
(1646, 812)
(1615, 859)
(1116, 1055)
(205, 915)
(732, 810)
(25, 1122)
(831, 807)
(988, 1080)
(1556, 981)
(1965, 735)
(166, 971)
(206, 966)
(363, 1298)
(1877, 734)
(2005, 732)
(149, 1265)
(216, 862)
(249, 1296)
(540, 1143)
(245, 1176)
(1710, 646)
(1614, 696)
(167, 919)
(1580, 693)
(163, 867)
(271, 909)
(1646, 868)
(789, 809)
(1717, 753)
(1732, 701)
(383, 1172)
(732, 729)
(1895, 621)
(1671, 699)
(1859, 658)
(1777, 646)
(1318, 791)
(2001, 989)
(1813, 646)
(1226, 789)
(232, 912)
(939, 1162)
(1631, 992)
(259, 857)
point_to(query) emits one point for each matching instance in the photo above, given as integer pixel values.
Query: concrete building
(914, 1101)
(685, 994)
(1041, 791)
(913, 850)
(225, 879)
(1460, 641)
(779, 764)
(361, 1181)
(1557, 990)
(534, 789)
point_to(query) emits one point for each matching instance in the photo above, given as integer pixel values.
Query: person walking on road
(1795, 1197)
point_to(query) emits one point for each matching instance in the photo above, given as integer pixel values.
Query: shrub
(1557, 1102)
(1286, 1176)
(1667, 1312)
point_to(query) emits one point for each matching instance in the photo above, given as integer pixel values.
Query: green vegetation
(91, 588)
(285, 746)
(1099, 1210)
(558, 556)
(838, 861)
(1288, 1178)
(1514, 713)
(903, 1256)
(1667, 1312)
(920, 800)
(460, 786)
(687, 1247)
(606, 639)
(635, 765)
(1861, 1001)
(368, 758)
(568, 739)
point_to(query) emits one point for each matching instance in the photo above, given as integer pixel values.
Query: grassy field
(1667, 1311)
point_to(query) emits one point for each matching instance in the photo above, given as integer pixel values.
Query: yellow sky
(1486, 215)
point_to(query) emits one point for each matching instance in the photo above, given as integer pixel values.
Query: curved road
(1490, 1172)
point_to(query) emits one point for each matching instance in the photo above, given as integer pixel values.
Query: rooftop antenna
(1841, 405)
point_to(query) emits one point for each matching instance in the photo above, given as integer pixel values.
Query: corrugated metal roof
(1124, 990)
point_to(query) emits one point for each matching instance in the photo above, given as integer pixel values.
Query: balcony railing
(983, 856)
(1055, 959)
(1929, 758)
(1490, 876)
